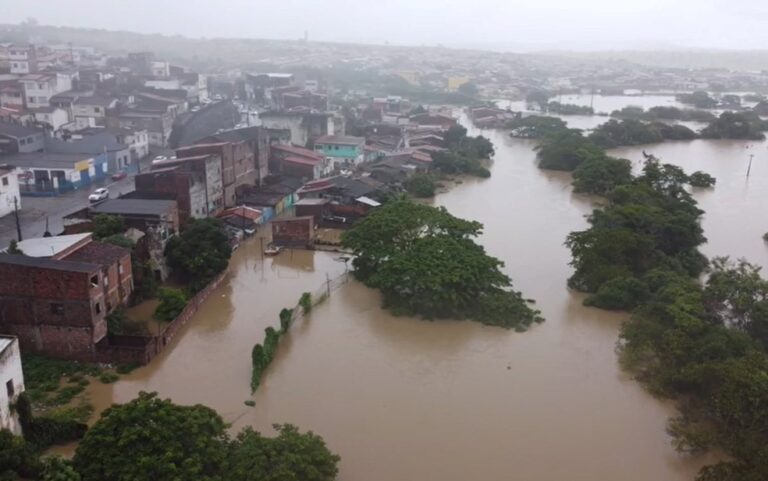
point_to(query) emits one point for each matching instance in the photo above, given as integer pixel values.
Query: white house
(9, 189)
(22, 59)
(54, 117)
(12, 380)
(40, 87)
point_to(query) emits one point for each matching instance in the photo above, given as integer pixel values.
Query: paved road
(35, 210)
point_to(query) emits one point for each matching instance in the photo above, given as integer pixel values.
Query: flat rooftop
(150, 207)
(50, 246)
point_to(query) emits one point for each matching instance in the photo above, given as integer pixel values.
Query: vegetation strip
(702, 345)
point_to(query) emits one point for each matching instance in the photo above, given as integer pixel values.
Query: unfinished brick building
(57, 305)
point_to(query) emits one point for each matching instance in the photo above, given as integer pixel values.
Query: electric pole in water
(749, 168)
(16, 215)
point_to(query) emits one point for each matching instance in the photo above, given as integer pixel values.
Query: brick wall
(141, 350)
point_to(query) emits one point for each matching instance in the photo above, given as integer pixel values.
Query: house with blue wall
(342, 150)
(50, 174)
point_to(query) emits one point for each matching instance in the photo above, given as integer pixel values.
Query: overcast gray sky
(497, 24)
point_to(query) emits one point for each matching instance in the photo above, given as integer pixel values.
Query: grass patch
(52, 382)
(108, 377)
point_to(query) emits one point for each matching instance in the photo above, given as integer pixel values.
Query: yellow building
(455, 82)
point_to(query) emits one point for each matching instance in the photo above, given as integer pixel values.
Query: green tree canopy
(199, 253)
(535, 126)
(152, 438)
(421, 185)
(565, 150)
(601, 174)
(736, 125)
(106, 225)
(289, 456)
(469, 89)
(425, 262)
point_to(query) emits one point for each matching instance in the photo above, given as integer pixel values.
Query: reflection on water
(404, 399)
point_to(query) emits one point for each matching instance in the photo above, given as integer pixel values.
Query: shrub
(701, 179)
(172, 302)
(305, 301)
(286, 317)
(421, 185)
(108, 377)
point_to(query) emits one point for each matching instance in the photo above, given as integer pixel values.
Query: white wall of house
(11, 98)
(84, 122)
(9, 189)
(139, 143)
(56, 119)
(12, 383)
(88, 110)
(38, 93)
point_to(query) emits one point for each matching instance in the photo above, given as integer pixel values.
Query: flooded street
(402, 399)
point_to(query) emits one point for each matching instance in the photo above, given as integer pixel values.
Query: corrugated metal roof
(50, 246)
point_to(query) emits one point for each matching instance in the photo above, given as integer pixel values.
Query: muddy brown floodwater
(403, 399)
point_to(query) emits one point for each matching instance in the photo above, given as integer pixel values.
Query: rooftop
(302, 160)
(6, 341)
(50, 246)
(98, 252)
(45, 263)
(301, 151)
(148, 207)
(340, 140)
(15, 130)
(46, 159)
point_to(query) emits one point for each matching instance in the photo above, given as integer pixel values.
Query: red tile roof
(302, 161)
(300, 151)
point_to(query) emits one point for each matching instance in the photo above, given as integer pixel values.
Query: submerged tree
(199, 253)
(425, 262)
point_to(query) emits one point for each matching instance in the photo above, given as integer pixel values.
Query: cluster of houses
(296, 167)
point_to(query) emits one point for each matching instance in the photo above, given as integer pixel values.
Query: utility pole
(749, 168)
(16, 215)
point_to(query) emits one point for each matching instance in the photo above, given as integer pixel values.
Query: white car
(99, 194)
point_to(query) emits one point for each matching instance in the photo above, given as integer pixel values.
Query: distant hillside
(248, 53)
(192, 52)
(743, 60)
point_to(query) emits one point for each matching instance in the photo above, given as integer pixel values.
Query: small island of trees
(425, 262)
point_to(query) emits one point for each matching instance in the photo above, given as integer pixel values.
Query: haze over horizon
(514, 25)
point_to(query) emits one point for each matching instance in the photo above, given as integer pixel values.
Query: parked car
(119, 175)
(98, 195)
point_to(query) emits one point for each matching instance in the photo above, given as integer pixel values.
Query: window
(15, 65)
(57, 308)
(106, 281)
(40, 86)
(97, 110)
(23, 142)
(10, 388)
(31, 100)
(98, 307)
(95, 281)
(5, 180)
(120, 269)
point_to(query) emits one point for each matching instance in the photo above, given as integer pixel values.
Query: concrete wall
(295, 124)
(11, 379)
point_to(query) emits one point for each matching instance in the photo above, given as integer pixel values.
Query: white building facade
(9, 190)
(12, 380)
